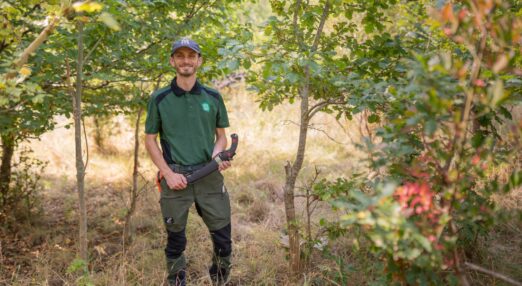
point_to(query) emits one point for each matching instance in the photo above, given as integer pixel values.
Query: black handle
(203, 172)
(226, 155)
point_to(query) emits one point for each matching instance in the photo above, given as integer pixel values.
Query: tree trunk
(128, 234)
(8, 147)
(292, 170)
(98, 133)
(80, 167)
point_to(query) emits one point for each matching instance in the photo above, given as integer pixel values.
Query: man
(191, 120)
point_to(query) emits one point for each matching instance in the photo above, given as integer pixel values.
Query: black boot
(178, 279)
(219, 276)
(176, 271)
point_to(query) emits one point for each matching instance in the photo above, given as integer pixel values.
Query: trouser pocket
(175, 212)
(213, 201)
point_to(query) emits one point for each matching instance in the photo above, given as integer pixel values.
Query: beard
(186, 71)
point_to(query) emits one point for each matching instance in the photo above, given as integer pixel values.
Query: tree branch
(194, 11)
(92, 49)
(327, 135)
(24, 57)
(86, 147)
(492, 273)
(317, 107)
(296, 14)
(4, 45)
(149, 46)
(321, 26)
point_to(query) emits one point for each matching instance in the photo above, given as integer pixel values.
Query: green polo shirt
(186, 122)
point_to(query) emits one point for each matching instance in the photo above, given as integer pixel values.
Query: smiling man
(191, 120)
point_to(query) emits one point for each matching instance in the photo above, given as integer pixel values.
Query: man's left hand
(224, 165)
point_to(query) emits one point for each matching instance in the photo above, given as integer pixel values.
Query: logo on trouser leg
(169, 220)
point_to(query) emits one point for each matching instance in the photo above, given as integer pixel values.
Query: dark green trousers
(213, 205)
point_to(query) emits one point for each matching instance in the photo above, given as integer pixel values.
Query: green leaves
(80, 267)
(374, 118)
(385, 224)
(109, 21)
(87, 6)
(438, 115)
(514, 181)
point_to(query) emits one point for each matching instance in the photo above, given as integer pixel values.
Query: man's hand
(176, 181)
(220, 145)
(224, 165)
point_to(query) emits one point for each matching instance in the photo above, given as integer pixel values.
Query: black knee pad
(222, 241)
(176, 242)
(198, 209)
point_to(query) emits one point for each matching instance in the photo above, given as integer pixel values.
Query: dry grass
(267, 141)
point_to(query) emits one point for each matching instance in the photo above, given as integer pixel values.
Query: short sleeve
(222, 115)
(153, 121)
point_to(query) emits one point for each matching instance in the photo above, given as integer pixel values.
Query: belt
(183, 169)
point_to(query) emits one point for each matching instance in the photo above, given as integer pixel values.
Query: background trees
(433, 87)
(431, 90)
(431, 191)
(107, 56)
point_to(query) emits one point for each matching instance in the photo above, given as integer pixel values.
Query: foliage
(436, 143)
(127, 43)
(436, 82)
(287, 53)
(126, 56)
(80, 267)
(25, 108)
(309, 49)
(22, 201)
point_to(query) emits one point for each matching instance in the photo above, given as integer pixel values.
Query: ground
(41, 250)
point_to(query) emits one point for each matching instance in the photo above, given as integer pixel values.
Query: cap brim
(195, 50)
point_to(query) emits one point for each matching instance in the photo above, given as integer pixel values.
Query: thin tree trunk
(80, 167)
(8, 147)
(292, 170)
(457, 152)
(128, 234)
(98, 136)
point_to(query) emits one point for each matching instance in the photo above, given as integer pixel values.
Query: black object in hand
(226, 155)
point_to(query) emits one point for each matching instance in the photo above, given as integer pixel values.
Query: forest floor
(41, 250)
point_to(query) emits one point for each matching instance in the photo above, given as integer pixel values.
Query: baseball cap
(187, 43)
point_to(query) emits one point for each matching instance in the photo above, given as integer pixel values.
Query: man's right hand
(176, 181)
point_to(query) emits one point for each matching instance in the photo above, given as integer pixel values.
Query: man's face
(185, 61)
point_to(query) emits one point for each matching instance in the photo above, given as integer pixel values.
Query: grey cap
(187, 43)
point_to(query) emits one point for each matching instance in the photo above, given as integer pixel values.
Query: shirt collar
(178, 91)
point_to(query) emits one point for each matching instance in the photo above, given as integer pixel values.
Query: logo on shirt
(205, 106)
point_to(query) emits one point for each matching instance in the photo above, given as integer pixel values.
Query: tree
(437, 144)
(300, 61)
(25, 106)
(117, 67)
(134, 67)
(110, 64)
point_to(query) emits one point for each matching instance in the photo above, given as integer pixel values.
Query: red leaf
(447, 13)
(479, 82)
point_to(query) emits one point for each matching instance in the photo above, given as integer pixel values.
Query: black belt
(184, 169)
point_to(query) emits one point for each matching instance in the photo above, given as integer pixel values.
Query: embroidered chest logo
(205, 107)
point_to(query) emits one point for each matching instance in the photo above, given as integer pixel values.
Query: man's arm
(174, 181)
(220, 145)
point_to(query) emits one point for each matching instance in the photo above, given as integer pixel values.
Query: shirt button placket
(190, 104)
